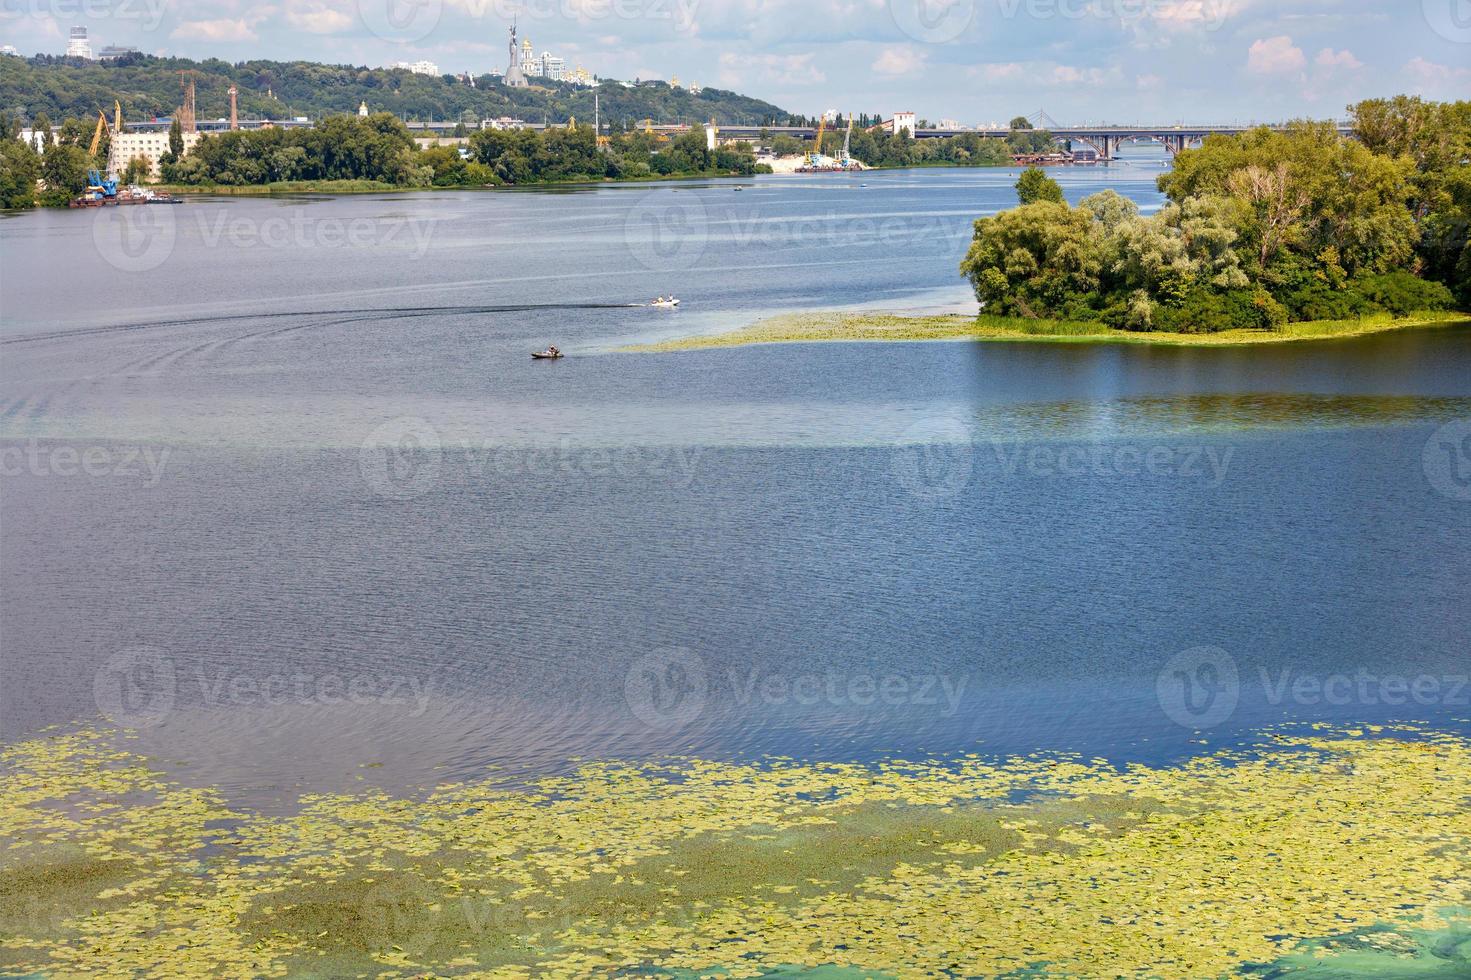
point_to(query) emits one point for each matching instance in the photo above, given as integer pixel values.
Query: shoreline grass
(880, 327)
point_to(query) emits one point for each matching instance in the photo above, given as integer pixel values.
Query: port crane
(814, 159)
(104, 127)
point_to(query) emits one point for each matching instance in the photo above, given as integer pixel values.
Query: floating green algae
(1038, 865)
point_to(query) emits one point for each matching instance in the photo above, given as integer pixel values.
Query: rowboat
(546, 355)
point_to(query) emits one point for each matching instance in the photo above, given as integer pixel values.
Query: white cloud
(1146, 82)
(1330, 60)
(792, 69)
(224, 29)
(1000, 72)
(1430, 73)
(319, 20)
(1275, 56)
(1045, 73)
(899, 61)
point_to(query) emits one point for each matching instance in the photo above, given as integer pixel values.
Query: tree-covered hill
(148, 86)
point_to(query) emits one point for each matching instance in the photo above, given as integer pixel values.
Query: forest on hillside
(148, 87)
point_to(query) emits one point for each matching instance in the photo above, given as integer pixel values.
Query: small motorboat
(550, 354)
(665, 304)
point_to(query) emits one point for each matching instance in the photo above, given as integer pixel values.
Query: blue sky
(971, 60)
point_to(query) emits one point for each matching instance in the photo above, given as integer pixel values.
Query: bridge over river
(1105, 139)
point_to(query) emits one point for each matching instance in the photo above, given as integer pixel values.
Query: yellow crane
(816, 154)
(97, 133)
(103, 126)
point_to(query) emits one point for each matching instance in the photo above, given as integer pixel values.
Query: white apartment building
(418, 67)
(151, 146)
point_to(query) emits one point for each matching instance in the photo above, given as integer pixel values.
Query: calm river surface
(283, 492)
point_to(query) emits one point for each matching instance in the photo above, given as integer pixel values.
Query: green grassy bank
(877, 326)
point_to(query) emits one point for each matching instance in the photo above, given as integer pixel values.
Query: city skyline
(963, 59)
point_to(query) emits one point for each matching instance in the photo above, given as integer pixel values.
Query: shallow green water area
(1028, 866)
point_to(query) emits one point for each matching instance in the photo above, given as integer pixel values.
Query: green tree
(1035, 186)
(176, 139)
(20, 168)
(137, 171)
(1036, 260)
(42, 124)
(64, 171)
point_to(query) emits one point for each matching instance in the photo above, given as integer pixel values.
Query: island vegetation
(1262, 230)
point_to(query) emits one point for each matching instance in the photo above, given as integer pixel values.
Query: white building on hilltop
(77, 46)
(552, 67)
(418, 67)
(901, 122)
(9, 49)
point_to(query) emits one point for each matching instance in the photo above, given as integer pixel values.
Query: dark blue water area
(781, 601)
(319, 521)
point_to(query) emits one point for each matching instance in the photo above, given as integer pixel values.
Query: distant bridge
(1105, 139)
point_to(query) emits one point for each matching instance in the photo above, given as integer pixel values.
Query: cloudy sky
(970, 60)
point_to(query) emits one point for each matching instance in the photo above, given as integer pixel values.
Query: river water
(284, 494)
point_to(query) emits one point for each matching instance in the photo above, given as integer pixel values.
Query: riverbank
(856, 327)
